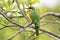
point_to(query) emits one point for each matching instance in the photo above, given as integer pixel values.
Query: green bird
(33, 15)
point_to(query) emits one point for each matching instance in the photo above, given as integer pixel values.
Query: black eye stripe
(30, 8)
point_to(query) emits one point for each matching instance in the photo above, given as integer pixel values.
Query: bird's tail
(37, 29)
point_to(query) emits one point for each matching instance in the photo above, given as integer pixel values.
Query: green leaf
(2, 0)
(35, 1)
(9, 2)
(32, 1)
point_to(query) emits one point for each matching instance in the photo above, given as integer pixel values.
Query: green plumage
(35, 19)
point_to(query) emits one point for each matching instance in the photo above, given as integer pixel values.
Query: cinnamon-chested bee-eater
(33, 15)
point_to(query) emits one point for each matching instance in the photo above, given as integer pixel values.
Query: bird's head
(32, 8)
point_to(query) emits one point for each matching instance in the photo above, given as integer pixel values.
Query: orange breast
(28, 13)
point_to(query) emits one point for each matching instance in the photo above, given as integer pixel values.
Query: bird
(33, 15)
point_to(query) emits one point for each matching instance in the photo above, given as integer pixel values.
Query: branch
(8, 11)
(8, 19)
(42, 16)
(18, 32)
(33, 35)
(26, 17)
(5, 16)
(4, 26)
(56, 21)
(48, 32)
(16, 17)
(53, 37)
(50, 13)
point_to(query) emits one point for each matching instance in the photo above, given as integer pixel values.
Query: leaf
(35, 1)
(9, 2)
(32, 1)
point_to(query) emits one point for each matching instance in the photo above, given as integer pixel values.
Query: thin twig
(4, 26)
(16, 17)
(48, 32)
(26, 17)
(8, 19)
(31, 35)
(19, 31)
(50, 13)
(53, 37)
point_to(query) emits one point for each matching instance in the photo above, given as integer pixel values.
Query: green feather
(35, 19)
(34, 16)
(37, 29)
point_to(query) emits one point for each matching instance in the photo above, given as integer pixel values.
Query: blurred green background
(7, 32)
